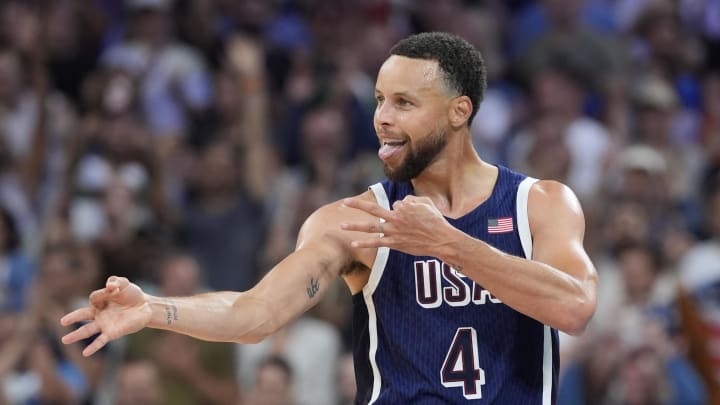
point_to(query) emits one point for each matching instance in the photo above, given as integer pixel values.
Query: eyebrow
(399, 93)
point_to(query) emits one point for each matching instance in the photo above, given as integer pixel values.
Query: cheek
(420, 121)
(413, 123)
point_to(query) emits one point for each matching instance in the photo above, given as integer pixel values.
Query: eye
(379, 100)
(404, 102)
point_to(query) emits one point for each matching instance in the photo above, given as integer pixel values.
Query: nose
(383, 115)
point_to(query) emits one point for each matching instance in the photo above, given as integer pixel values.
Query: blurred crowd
(181, 143)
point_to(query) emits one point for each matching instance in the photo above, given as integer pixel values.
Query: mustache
(392, 134)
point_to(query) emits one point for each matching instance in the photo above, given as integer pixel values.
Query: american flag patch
(500, 225)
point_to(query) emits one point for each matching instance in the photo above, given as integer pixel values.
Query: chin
(397, 174)
(389, 172)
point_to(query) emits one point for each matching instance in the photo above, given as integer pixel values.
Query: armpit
(353, 267)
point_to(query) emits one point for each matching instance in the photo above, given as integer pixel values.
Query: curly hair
(462, 65)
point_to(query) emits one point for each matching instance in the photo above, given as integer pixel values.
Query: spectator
(699, 274)
(240, 114)
(223, 226)
(138, 383)
(642, 369)
(174, 82)
(558, 90)
(656, 106)
(74, 38)
(312, 349)
(35, 126)
(316, 181)
(16, 269)
(32, 356)
(273, 383)
(115, 191)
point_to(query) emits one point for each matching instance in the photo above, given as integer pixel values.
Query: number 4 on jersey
(462, 366)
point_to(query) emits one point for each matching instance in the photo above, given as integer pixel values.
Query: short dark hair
(462, 65)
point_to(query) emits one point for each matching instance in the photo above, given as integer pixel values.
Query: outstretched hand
(414, 226)
(114, 311)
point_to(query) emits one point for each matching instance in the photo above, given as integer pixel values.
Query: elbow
(577, 316)
(579, 308)
(251, 339)
(255, 336)
(261, 324)
(575, 326)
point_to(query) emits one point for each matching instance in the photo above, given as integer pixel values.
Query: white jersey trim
(547, 371)
(527, 245)
(382, 252)
(522, 215)
(375, 275)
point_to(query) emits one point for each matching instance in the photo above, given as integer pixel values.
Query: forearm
(217, 316)
(538, 290)
(288, 290)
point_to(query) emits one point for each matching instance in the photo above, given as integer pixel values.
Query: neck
(457, 181)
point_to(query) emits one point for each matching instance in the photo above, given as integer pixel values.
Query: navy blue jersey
(426, 334)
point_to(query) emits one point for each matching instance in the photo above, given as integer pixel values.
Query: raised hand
(114, 311)
(414, 226)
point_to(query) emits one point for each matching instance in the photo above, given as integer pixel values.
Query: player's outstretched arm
(293, 286)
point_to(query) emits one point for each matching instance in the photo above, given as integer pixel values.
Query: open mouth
(390, 149)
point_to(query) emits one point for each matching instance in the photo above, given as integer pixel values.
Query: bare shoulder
(325, 222)
(322, 234)
(551, 201)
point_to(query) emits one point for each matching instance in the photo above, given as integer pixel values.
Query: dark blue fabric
(416, 329)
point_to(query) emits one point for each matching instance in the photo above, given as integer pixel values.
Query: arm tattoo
(171, 312)
(314, 287)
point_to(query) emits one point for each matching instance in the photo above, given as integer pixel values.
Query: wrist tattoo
(171, 312)
(314, 287)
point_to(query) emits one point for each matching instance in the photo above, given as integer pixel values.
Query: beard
(417, 158)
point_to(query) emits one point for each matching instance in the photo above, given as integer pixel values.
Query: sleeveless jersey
(426, 334)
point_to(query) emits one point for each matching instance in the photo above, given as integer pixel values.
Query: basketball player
(462, 272)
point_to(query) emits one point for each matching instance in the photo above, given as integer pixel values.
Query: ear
(460, 109)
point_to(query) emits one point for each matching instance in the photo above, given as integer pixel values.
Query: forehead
(403, 74)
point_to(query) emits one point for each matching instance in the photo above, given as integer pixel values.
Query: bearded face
(411, 116)
(417, 158)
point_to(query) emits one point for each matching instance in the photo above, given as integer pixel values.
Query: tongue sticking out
(389, 149)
